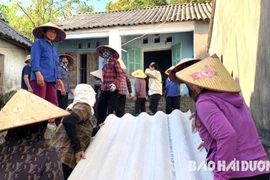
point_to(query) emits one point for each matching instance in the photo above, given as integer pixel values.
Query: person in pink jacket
(225, 124)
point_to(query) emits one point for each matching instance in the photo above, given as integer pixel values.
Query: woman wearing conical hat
(140, 91)
(44, 62)
(172, 93)
(112, 74)
(225, 124)
(25, 154)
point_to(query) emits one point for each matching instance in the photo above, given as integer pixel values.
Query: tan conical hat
(169, 70)
(26, 108)
(211, 74)
(61, 35)
(138, 74)
(181, 65)
(102, 48)
(97, 74)
(122, 64)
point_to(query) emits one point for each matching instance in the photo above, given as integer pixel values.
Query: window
(79, 46)
(145, 40)
(88, 45)
(156, 39)
(83, 69)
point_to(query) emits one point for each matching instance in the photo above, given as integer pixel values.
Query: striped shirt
(124, 84)
(61, 140)
(112, 73)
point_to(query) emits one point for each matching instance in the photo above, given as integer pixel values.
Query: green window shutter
(176, 54)
(134, 62)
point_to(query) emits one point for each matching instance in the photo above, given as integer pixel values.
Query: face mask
(65, 63)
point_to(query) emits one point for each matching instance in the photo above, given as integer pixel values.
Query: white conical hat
(122, 64)
(27, 108)
(97, 74)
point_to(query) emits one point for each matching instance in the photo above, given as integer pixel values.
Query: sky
(99, 5)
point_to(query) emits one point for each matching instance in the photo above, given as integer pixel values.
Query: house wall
(200, 39)
(241, 35)
(12, 61)
(185, 38)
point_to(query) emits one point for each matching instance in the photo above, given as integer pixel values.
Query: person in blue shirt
(172, 93)
(26, 73)
(44, 62)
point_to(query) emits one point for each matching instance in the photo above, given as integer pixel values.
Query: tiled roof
(158, 14)
(158, 147)
(13, 36)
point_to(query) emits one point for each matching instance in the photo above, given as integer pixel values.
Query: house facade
(14, 47)
(164, 34)
(241, 39)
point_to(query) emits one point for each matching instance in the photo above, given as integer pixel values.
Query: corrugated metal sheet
(158, 14)
(10, 34)
(143, 148)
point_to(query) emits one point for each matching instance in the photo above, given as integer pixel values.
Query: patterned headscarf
(107, 57)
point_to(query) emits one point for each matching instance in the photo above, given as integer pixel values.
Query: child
(172, 93)
(140, 91)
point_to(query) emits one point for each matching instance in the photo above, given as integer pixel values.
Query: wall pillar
(115, 40)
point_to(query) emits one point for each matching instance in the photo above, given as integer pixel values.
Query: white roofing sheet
(158, 147)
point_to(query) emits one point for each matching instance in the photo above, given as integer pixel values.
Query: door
(134, 62)
(176, 53)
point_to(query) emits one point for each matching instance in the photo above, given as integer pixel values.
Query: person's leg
(176, 102)
(122, 103)
(51, 94)
(110, 107)
(142, 105)
(114, 103)
(154, 99)
(137, 105)
(168, 105)
(61, 100)
(67, 171)
(102, 106)
(38, 90)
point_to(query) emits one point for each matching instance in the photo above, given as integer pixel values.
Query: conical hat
(28, 57)
(60, 34)
(97, 74)
(26, 108)
(138, 74)
(69, 57)
(169, 70)
(102, 48)
(211, 74)
(122, 64)
(181, 65)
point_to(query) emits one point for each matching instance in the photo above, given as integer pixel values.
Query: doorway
(162, 58)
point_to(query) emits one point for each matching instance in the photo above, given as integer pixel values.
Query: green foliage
(187, 1)
(25, 18)
(133, 4)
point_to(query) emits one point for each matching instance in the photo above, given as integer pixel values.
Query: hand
(101, 124)
(195, 127)
(30, 90)
(40, 80)
(201, 146)
(63, 93)
(134, 99)
(71, 93)
(79, 155)
(61, 86)
(129, 96)
(112, 87)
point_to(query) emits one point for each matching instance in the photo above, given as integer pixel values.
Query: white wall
(14, 57)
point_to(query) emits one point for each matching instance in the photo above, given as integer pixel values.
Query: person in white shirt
(154, 86)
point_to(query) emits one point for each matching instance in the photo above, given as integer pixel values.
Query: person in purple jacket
(140, 91)
(226, 126)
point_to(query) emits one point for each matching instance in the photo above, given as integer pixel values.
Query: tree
(25, 18)
(133, 4)
(187, 1)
